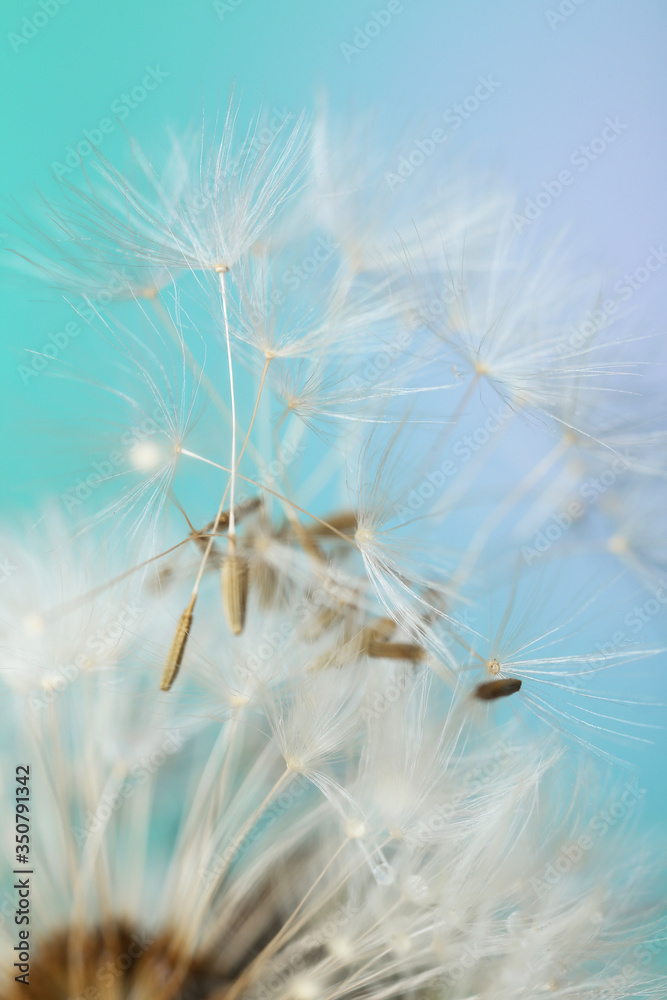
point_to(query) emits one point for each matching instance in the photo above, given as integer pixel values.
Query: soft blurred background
(555, 71)
(557, 75)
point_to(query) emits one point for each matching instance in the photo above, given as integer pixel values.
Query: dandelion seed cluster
(305, 715)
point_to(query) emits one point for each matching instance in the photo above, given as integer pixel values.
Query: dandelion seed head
(321, 802)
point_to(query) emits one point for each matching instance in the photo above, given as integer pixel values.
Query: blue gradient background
(558, 84)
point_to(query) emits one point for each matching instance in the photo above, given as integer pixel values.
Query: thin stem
(194, 365)
(232, 486)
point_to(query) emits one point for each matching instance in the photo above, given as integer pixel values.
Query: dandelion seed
(501, 688)
(177, 649)
(235, 582)
(318, 814)
(395, 651)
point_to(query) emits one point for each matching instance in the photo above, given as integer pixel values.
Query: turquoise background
(558, 82)
(559, 78)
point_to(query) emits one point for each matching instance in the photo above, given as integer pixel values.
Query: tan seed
(264, 580)
(235, 591)
(177, 649)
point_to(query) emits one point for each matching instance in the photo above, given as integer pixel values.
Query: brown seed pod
(395, 651)
(382, 629)
(235, 580)
(502, 688)
(265, 582)
(177, 649)
(343, 522)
